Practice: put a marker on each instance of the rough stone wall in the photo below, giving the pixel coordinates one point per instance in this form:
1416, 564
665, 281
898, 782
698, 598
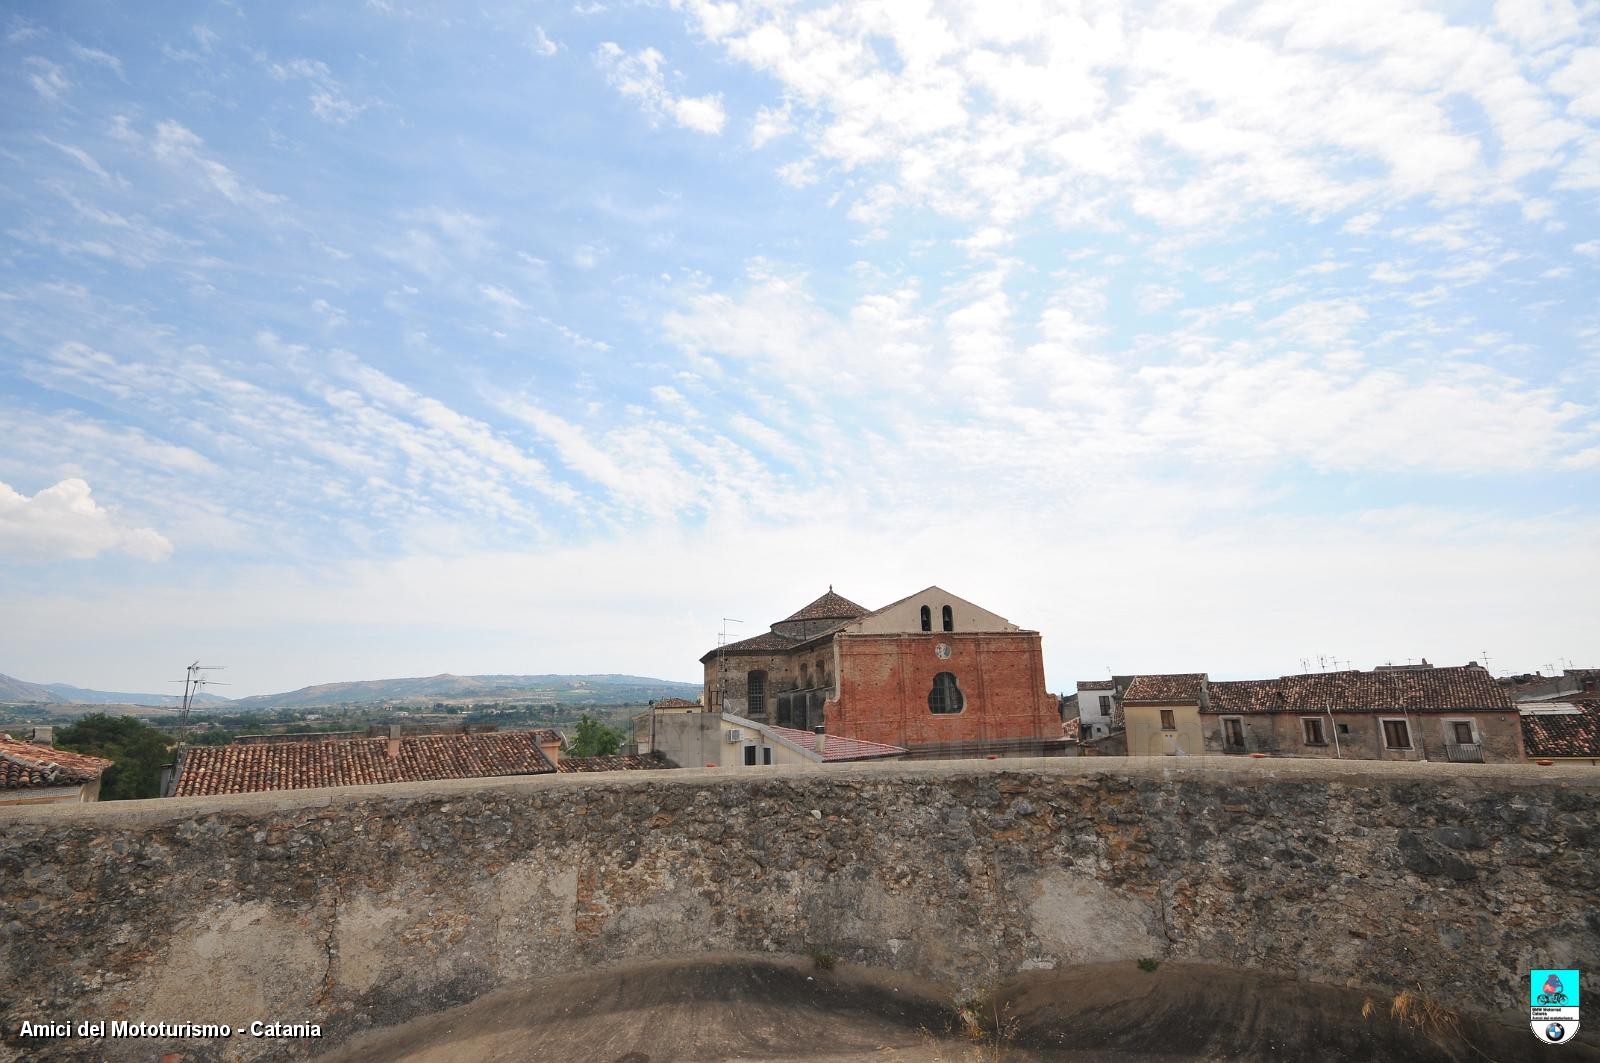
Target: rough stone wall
884, 683
1280, 734
364, 906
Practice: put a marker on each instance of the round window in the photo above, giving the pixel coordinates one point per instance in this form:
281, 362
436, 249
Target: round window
942, 651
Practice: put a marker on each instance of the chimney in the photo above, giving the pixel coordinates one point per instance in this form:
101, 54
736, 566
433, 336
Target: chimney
394, 741
822, 740
43, 736
550, 746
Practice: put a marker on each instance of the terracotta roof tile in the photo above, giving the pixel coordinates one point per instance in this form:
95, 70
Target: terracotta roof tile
1069, 729
830, 606
676, 703
1097, 684
837, 747
618, 762
24, 765
1563, 734
1424, 690
254, 767
1178, 688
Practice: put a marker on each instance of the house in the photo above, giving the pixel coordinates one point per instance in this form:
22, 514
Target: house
1567, 732
300, 762
931, 673
1457, 714
1097, 702
615, 762
1572, 682
1162, 714
690, 738
34, 773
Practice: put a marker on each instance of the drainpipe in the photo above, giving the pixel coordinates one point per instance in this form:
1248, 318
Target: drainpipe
1334, 729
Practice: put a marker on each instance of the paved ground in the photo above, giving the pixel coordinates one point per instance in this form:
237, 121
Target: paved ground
740, 1008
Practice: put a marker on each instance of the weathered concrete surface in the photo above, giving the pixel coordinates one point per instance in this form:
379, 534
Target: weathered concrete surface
749, 1008
366, 907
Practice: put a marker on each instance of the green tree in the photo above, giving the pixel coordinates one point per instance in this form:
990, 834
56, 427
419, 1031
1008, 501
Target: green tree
137, 751
594, 739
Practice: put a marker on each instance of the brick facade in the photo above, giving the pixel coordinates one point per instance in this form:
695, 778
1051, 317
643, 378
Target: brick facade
869, 675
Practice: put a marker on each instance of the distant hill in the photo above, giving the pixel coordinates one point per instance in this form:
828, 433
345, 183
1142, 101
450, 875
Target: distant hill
559, 689
17, 690
80, 696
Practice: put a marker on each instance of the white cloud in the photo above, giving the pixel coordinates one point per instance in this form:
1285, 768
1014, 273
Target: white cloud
64, 521
541, 44
769, 124
178, 147
639, 76
47, 79
98, 57
328, 100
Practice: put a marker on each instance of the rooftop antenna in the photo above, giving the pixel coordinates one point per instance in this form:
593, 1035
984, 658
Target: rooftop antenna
1305, 665
1485, 654
722, 667
193, 682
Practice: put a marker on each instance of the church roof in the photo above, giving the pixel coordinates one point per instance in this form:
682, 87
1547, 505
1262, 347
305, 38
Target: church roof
830, 606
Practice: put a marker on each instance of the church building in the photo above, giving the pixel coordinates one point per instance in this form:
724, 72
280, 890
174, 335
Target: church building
932, 672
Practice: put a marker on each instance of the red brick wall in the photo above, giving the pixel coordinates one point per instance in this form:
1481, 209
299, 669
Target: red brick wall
884, 682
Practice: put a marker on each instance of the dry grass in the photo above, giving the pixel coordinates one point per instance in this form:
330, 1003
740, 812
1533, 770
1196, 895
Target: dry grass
989, 1025
1420, 1013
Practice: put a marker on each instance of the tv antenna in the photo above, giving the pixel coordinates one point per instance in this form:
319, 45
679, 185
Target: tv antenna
193, 682
722, 667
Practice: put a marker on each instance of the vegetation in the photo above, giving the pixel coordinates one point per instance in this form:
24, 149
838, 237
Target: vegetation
1148, 965
137, 750
594, 739
825, 961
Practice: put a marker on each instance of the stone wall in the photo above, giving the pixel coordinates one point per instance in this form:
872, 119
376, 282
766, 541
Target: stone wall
367, 906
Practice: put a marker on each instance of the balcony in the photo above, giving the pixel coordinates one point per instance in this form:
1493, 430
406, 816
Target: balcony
1464, 752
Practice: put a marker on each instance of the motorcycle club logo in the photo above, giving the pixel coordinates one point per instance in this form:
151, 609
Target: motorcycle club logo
1553, 999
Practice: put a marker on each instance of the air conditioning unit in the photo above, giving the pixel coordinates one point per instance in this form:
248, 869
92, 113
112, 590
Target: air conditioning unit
735, 735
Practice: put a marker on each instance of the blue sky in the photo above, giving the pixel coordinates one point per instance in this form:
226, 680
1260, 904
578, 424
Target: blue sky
401, 338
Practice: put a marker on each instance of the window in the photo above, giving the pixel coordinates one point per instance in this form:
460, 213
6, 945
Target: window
949, 619
1233, 733
1312, 726
1396, 734
1105, 704
755, 693
822, 674
750, 756
766, 754
1167, 721
1463, 732
945, 697
927, 619
1344, 728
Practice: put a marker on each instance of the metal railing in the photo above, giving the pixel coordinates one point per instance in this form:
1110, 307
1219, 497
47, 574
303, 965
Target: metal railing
1464, 752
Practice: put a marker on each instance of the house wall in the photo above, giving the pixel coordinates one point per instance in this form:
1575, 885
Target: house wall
884, 682
49, 795
1089, 716
1281, 734
1146, 735
699, 740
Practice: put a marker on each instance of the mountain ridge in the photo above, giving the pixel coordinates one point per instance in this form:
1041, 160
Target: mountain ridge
554, 687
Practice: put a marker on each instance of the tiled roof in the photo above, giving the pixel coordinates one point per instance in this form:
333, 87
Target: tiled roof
830, 606
619, 762
1069, 729
1563, 735
836, 747
243, 768
26, 766
1451, 689
676, 703
1097, 684
766, 642
1180, 688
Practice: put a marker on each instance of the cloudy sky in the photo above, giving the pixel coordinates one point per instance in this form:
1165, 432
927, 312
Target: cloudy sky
350, 341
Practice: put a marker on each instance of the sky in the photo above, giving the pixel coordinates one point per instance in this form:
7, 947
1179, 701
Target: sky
365, 340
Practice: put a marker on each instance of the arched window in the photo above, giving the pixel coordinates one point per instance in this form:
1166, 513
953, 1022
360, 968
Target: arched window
755, 693
927, 619
945, 697
822, 673
949, 619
